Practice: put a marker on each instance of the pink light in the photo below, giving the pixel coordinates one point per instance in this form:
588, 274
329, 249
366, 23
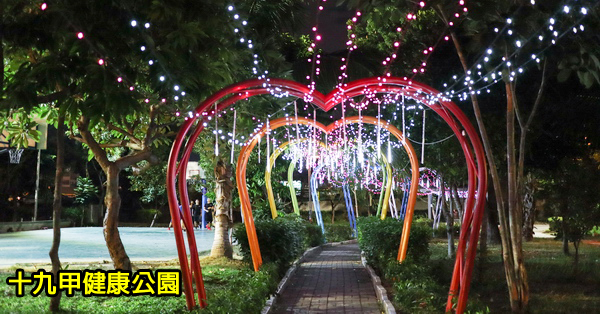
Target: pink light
44, 6
425, 51
101, 61
164, 100
409, 16
465, 9
119, 79
451, 23
146, 100
354, 19
358, 13
349, 27
414, 70
314, 28
399, 29
80, 35
430, 48
446, 38
461, 2
320, 8
456, 15
422, 4
397, 44
318, 37
131, 88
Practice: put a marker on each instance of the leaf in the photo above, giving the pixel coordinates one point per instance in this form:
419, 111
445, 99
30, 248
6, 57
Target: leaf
563, 75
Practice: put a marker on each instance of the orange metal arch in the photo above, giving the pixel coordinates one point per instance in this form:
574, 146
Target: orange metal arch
244, 156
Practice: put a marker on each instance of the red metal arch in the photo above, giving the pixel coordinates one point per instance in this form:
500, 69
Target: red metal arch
456, 119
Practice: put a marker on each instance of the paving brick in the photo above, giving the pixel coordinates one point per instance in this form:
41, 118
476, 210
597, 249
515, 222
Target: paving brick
332, 281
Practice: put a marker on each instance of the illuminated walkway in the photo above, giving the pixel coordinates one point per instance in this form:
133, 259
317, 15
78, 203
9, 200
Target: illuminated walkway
332, 280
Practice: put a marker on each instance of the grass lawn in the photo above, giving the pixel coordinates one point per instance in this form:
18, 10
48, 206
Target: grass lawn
557, 284
231, 287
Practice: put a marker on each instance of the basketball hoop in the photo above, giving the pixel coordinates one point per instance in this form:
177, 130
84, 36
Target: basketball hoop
15, 155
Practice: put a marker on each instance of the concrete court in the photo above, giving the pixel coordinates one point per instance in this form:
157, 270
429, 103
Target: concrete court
330, 281
87, 245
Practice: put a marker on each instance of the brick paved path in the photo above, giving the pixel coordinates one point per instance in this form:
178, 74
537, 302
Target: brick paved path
332, 280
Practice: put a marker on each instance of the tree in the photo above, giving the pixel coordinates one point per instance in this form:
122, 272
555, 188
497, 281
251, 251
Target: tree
114, 102
471, 36
571, 193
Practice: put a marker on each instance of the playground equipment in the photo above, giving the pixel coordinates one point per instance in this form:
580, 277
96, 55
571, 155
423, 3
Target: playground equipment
425, 95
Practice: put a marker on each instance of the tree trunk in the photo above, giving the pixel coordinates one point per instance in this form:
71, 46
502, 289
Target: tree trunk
514, 265
331, 200
112, 201
223, 189
565, 240
516, 276
449, 215
528, 209
57, 207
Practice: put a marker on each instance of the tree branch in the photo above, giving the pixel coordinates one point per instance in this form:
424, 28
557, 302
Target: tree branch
113, 127
133, 159
83, 125
525, 128
151, 127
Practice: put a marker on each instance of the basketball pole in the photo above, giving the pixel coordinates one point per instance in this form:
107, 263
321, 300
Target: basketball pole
37, 184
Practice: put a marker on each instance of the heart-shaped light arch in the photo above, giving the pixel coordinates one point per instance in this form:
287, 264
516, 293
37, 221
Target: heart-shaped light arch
448, 111
282, 122
280, 149
328, 129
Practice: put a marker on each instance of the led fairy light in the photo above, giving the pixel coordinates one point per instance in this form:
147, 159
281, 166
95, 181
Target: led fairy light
111, 67
244, 39
493, 76
315, 60
351, 46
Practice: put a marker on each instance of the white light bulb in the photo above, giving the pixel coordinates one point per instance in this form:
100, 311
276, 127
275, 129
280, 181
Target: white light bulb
489, 51
584, 11
162, 78
133, 23
518, 43
237, 16
509, 20
143, 48
176, 87
230, 8
147, 25
151, 62
566, 9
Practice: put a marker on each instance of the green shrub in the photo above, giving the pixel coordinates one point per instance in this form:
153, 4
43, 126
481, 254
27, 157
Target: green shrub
281, 240
146, 215
226, 298
338, 232
74, 214
314, 235
414, 288
380, 240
